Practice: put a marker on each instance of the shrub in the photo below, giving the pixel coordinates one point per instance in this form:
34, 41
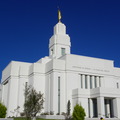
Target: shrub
45, 113
22, 114
3, 110
51, 113
57, 113
78, 112
63, 113
68, 107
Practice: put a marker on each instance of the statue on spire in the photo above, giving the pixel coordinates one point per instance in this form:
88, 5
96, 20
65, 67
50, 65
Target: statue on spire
59, 16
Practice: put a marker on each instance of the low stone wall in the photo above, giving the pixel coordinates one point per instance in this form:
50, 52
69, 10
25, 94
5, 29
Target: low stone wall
103, 118
59, 117
6, 119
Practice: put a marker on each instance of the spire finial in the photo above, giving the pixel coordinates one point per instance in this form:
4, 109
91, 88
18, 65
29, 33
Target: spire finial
59, 15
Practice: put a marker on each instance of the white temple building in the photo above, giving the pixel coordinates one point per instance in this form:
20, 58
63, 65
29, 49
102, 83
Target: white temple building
92, 82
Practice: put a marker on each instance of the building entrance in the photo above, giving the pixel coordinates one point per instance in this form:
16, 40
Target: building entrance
95, 112
109, 113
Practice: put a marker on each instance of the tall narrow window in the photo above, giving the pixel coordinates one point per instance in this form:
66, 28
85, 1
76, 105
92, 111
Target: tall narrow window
26, 87
62, 51
85, 81
117, 85
99, 81
58, 94
90, 82
52, 52
95, 81
81, 81
26, 84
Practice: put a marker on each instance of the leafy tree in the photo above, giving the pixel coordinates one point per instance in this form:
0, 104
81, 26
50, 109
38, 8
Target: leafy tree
78, 112
3, 110
68, 107
33, 102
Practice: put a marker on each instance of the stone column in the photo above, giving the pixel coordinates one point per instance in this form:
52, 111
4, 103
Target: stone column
88, 81
97, 80
108, 108
116, 107
91, 108
101, 106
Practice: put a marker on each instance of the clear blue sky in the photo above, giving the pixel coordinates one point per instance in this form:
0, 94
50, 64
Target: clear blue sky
27, 25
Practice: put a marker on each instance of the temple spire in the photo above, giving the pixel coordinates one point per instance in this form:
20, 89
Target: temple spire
59, 15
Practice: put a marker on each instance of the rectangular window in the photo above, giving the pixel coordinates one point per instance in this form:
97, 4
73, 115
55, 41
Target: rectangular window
99, 81
58, 94
81, 81
62, 51
95, 81
5, 83
85, 81
90, 82
117, 85
52, 52
26, 84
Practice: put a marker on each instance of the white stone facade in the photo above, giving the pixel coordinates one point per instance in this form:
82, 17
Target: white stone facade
0, 92
94, 83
